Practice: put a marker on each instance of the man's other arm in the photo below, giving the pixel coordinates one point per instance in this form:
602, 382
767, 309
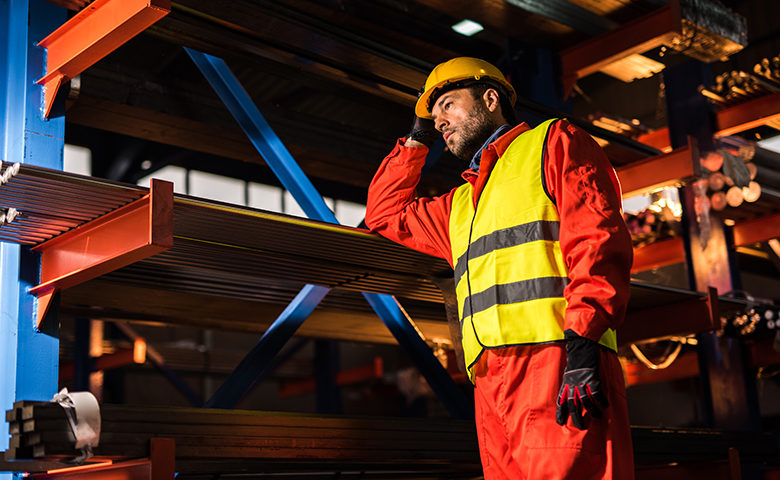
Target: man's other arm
394, 211
594, 239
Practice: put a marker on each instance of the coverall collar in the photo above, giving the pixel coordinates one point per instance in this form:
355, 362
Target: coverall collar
474, 165
495, 150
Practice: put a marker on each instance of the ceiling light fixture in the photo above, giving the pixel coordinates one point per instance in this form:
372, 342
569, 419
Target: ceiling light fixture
467, 27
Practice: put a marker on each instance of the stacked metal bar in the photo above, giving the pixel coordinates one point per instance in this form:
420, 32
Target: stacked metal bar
220, 249
40, 431
735, 87
48, 202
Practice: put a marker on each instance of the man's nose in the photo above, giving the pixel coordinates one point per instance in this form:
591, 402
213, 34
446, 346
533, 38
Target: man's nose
440, 123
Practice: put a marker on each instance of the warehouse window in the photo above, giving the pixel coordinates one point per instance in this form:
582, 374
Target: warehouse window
177, 175
217, 187
77, 160
264, 197
256, 195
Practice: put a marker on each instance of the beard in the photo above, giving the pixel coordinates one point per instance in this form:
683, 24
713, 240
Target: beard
473, 132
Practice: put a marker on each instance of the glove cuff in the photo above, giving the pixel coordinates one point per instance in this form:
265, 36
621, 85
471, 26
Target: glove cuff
581, 352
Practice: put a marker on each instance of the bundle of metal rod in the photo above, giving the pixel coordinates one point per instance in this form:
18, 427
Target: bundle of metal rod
229, 249
769, 70
40, 431
48, 203
735, 87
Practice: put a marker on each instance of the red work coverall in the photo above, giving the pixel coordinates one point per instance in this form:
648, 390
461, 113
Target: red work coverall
516, 387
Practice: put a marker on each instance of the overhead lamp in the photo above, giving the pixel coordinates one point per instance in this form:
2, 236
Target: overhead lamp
467, 27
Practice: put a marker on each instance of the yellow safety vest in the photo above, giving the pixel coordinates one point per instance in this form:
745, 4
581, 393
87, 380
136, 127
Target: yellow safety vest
509, 269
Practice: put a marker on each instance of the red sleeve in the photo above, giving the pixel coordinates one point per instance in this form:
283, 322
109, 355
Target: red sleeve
594, 239
394, 211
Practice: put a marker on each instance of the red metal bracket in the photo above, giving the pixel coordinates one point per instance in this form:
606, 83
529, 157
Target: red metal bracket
161, 465
757, 230
93, 33
128, 234
660, 171
658, 254
373, 371
681, 318
638, 36
751, 114
110, 361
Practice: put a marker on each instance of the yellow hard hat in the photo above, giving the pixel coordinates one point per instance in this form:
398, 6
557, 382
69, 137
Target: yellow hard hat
457, 70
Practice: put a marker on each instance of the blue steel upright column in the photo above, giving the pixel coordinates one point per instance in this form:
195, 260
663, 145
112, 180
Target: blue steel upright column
28, 358
728, 386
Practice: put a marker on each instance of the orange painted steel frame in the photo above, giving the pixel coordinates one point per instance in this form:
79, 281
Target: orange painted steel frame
658, 139
669, 252
751, 114
128, 234
682, 318
120, 358
685, 366
757, 230
374, 371
660, 171
638, 36
93, 33
161, 465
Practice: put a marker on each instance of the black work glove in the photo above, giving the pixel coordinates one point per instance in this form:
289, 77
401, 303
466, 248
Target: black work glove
581, 391
423, 131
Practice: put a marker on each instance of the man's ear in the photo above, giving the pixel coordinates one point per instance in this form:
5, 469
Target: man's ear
491, 99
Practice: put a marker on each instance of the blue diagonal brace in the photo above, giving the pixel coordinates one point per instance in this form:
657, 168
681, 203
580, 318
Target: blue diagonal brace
262, 136
260, 356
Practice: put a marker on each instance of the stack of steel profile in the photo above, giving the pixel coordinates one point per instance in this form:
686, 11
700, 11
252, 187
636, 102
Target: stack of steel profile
220, 249
41, 432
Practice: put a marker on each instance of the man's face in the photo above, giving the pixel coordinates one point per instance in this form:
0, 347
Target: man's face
465, 122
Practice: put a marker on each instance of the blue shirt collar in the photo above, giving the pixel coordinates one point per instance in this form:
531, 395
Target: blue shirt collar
474, 165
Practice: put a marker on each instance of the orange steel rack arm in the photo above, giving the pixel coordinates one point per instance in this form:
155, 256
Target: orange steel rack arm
695, 315
757, 230
671, 251
664, 170
160, 465
638, 36
128, 234
745, 116
93, 33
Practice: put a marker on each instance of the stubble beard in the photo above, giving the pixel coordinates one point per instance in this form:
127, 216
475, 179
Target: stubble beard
473, 133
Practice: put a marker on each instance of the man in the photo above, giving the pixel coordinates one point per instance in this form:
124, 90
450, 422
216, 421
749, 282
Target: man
541, 257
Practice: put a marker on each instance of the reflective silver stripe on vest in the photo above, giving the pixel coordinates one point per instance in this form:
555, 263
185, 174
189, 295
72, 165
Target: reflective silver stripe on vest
516, 292
505, 238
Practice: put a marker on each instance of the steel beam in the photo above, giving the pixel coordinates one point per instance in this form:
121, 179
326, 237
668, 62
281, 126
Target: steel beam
160, 465
757, 230
696, 315
159, 363
685, 366
658, 254
236, 99
730, 396
673, 168
657, 138
272, 341
29, 358
751, 114
372, 371
124, 236
643, 34
97, 30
